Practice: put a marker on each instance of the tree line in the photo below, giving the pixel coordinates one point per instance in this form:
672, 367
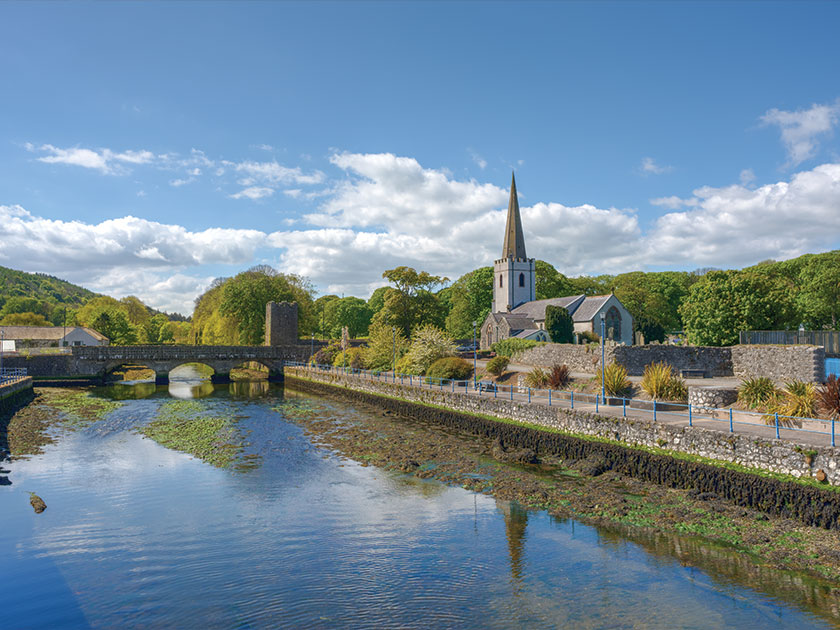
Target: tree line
710, 306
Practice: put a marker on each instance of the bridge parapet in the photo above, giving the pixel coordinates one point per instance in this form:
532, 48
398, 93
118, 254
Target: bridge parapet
191, 353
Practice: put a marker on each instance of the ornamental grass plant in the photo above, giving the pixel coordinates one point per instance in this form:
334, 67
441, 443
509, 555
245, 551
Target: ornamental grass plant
559, 377
616, 382
828, 398
537, 378
660, 382
756, 393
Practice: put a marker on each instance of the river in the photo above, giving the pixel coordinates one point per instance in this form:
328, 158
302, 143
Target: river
293, 535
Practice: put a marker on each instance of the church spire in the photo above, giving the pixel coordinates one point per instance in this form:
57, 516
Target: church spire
514, 246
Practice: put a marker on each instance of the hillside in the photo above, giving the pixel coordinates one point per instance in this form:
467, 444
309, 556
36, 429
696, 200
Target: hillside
41, 287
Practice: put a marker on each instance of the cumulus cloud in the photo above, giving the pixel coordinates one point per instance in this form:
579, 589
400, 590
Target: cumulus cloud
801, 130
480, 161
650, 167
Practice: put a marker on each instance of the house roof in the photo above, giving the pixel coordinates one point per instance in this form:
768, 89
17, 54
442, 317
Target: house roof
55, 333
590, 307
522, 334
536, 309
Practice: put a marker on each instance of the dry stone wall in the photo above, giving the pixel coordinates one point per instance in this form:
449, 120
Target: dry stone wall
765, 454
779, 363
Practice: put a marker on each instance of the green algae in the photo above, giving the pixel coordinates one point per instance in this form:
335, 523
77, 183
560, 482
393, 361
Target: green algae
189, 427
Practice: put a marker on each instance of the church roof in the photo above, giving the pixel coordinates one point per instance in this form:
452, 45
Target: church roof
582, 308
514, 246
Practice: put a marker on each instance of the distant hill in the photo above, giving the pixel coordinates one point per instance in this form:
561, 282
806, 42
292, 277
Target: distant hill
42, 287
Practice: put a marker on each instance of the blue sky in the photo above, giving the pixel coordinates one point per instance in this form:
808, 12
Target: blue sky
147, 148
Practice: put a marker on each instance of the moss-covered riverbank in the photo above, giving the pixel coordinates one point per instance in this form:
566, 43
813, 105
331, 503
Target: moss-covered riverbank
583, 489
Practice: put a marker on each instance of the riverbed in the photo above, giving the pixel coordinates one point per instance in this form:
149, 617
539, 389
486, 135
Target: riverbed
268, 523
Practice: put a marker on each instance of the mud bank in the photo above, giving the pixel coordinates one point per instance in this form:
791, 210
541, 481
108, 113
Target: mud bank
596, 482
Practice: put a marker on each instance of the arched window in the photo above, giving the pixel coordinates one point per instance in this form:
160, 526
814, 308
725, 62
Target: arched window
501, 284
521, 280
613, 324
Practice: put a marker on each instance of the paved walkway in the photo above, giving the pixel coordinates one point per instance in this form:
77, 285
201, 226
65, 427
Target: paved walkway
812, 433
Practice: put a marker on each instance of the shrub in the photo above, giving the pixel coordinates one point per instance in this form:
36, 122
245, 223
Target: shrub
757, 392
828, 397
326, 355
587, 336
661, 383
451, 368
509, 347
428, 344
537, 378
559, 376
559, 324
382, 343
615, 380
497, 365
352, 358
798, 400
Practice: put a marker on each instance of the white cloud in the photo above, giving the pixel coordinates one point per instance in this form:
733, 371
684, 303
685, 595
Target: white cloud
275, 173
125, 248
673, 202
103, 160
802, 129
649, 166
480, 161
177, 183
294, 193
254, 192
747, 177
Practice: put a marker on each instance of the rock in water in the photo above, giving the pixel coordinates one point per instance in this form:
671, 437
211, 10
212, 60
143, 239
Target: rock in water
37, 503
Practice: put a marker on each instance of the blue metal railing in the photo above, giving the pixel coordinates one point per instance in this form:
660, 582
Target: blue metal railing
610, 405
10, 375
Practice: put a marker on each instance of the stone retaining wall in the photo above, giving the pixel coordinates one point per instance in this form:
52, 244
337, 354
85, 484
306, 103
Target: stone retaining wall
712, 397
747, 450
779, 363
13, 395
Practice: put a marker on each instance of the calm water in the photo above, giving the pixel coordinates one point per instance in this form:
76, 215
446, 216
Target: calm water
138, 535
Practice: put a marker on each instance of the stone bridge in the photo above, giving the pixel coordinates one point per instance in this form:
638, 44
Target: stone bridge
96, 362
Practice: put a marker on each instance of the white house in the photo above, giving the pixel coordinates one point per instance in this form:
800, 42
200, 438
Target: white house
52, 336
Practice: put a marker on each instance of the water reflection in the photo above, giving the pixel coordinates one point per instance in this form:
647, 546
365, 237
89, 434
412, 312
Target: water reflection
190, 388
249, 389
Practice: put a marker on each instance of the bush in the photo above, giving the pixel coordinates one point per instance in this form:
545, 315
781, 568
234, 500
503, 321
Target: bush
559, 376
428, 344
798, 400
756, 393
509, 347
537, 378
615, 380
326, 355
450, 368
661, 383
353, 358
588, 336
828, 397
497, 365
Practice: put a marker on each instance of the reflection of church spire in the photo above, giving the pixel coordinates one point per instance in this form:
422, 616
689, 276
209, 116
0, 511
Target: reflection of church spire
514, 246
516, 521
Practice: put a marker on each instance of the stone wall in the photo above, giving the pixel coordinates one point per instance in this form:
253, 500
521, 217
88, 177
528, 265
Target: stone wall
281, 323
780, 363
712, 397
774, 455
579, 358
13, 395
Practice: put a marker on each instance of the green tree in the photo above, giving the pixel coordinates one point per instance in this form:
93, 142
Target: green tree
384, 344
428, 344
559, 324
24, 319
115, 325
351, 312
410, 302
723, 303
244, 298
819, 291
322, 325
550, 283
589, 285
472, 296
377, 300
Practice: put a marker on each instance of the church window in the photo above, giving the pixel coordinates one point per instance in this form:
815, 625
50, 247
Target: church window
613, 324
521, 279
501, 284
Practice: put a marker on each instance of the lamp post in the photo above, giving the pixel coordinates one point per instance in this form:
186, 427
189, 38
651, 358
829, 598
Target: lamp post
394, 364
475, 358
603, 388
801, 333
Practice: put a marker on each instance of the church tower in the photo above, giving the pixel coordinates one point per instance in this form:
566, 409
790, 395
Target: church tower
514, 275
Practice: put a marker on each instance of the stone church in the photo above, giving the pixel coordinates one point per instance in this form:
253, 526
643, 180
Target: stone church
517, 313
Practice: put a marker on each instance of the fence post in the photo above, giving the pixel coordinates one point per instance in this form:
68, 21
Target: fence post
466, 391
776, 414
453, 387
529, 394
731, 428
495, 390
624, 407
596, 402
511, 393
689, 414
654, 409
549, 398
573, 398
832, 430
